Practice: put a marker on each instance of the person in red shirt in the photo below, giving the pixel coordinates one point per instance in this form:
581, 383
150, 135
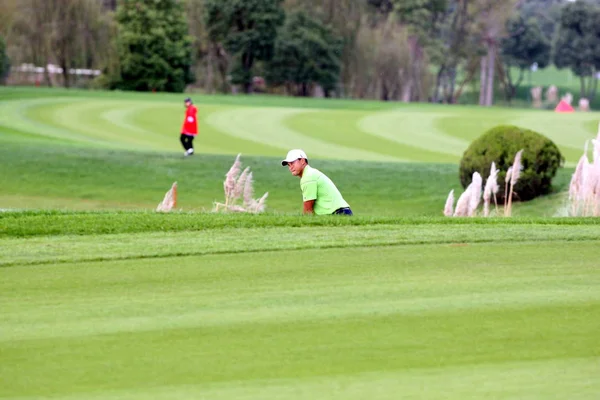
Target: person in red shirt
189, 130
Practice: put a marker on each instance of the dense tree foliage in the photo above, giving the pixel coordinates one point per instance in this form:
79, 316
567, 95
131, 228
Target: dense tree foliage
396, 50
306, 53
69, 33
153, 45
459, 51
248, 30
524, 45
423, 19
545, 12
577, 44
4, 61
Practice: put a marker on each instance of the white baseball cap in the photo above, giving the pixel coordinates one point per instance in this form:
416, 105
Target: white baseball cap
293, 155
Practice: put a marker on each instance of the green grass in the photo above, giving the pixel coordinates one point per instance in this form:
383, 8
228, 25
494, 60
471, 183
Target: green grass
91, 179
553, 76
121, 150
102, 298
440, 309
53, 238
268, 126
64, 177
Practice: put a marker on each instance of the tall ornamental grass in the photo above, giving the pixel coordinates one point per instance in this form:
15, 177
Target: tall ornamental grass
468, 202
239, 191
584, 189
169, 201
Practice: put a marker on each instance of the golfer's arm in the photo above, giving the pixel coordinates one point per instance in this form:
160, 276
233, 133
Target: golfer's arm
309, 207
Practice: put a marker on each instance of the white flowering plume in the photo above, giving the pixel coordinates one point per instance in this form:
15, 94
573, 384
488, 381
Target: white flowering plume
239, 191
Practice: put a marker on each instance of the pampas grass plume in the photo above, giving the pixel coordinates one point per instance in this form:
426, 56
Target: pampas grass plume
475, 193
508, 175
577, 178
584, 188
262, 203
516, 168
494, 174
239, 185
507, 179
491, 188
248, 189
448, 208
596, 149
462, 205
169, 201
515, 173
231, 177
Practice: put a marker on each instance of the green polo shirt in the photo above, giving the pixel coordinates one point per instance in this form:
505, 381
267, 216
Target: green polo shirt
317, 186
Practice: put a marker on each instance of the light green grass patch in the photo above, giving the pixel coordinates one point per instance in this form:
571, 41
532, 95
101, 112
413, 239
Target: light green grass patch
270, 126
242, 240
121, 150
394, 302
315, 323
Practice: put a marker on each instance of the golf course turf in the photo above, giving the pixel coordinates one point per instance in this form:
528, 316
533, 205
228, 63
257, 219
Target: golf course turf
103, 298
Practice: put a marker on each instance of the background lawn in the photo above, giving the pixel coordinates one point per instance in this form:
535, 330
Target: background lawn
103, 298
98, 150
505, 318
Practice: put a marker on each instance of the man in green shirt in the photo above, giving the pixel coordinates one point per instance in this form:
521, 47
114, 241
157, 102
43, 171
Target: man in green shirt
319, 193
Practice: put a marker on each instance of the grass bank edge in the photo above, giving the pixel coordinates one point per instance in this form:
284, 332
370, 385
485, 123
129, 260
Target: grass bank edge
53, 223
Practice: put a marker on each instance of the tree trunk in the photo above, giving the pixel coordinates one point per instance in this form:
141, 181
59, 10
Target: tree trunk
412, 85
593, 87
491, 65
247, 63
510, 86
471, 71
438, 84
210, 60
222, 66
506, 79
384, 92
47, 75
407, 89
483, 80
416, 89
304, 89
451, 83
65, 73
66, 78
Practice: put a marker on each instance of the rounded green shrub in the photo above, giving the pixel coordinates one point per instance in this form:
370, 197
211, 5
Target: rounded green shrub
540, 160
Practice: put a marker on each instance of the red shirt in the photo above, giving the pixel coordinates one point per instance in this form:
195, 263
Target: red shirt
190, 124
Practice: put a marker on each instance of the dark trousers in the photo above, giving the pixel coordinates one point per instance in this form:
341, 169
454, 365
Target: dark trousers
186, 141
343, 211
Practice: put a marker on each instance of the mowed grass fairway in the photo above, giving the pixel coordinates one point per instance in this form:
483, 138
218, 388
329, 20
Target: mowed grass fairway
268, 126
397, 309
102, 298
121, 150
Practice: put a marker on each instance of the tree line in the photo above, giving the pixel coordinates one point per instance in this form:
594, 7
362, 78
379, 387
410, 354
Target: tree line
408, 50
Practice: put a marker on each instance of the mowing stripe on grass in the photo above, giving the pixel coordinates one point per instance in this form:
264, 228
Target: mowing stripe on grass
447, 316
13, 115
574, 379
257, 125
64, 248
416, 129
16, 224
344, 126
267, 126
568, 131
